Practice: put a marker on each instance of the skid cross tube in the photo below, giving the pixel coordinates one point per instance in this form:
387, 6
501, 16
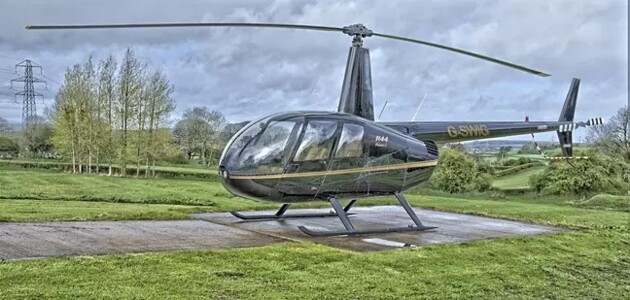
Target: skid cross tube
350, 230
280, 213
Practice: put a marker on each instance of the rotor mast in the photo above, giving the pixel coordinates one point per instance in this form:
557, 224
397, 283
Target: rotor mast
356, 91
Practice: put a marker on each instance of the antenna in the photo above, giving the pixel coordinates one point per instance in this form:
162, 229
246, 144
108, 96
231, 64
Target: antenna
417, 110
382, 109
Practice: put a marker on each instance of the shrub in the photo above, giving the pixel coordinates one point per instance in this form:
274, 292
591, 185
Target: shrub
606, 201
582, 176
457, 173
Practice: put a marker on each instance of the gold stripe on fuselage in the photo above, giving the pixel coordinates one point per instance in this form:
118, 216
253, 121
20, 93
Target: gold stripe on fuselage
418, 164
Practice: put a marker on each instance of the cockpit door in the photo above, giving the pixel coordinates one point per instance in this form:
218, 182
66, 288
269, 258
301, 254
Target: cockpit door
347, 161
311, 159
315, 147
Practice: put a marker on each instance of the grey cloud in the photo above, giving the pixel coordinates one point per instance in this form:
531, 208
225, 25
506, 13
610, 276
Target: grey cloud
247, 73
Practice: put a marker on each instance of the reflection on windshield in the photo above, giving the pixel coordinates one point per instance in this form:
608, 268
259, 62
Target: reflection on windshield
262, 151
351, 141
317, 141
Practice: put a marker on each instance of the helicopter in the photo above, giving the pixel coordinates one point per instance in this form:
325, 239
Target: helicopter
305, 156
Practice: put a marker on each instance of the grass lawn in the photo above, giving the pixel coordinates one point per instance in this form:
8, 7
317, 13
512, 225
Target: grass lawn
46, 210
175, 168
593, 262
52, 185
517, 180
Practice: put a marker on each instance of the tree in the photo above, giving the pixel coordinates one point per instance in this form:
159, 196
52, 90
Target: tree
8, 146
105, 113
106, 97
36, 137
613, 137
66, 119
129, 88
5, 127
199, 131
160, 105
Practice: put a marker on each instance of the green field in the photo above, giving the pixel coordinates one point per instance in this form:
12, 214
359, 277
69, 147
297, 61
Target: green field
518, 180
47, 210
590, 261
50, 185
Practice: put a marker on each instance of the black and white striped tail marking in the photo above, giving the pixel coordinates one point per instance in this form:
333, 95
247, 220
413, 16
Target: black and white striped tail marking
594, 121
571, 126
567, 127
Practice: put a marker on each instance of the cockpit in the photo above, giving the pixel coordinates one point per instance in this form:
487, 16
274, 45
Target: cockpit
273, 144
261, 147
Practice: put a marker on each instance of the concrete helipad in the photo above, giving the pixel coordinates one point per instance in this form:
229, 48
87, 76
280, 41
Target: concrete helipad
222, 230
452, 227
53, 239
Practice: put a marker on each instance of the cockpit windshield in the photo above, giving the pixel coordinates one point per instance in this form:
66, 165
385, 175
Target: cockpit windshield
261, 148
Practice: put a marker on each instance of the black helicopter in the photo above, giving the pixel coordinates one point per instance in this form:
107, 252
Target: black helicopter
313, 156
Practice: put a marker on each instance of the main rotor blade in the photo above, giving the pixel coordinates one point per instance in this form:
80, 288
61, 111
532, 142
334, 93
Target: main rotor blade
350, 30
154, 25
494, 60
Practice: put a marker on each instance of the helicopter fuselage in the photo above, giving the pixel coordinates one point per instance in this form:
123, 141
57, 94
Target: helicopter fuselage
305, 156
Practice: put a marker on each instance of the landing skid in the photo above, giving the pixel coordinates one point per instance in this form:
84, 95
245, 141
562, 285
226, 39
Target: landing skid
280, 214
317, 233
350, 230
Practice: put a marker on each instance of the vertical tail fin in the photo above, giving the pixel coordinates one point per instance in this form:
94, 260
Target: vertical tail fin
566, 115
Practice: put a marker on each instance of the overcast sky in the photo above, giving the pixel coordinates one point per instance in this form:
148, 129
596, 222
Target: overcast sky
246, 73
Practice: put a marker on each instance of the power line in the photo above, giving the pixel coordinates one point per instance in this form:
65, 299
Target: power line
55, 81
9, 57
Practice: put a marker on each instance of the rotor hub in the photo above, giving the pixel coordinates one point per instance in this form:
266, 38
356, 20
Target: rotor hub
357, 30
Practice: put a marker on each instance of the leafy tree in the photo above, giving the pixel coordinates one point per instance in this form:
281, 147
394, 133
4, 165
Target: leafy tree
105, 113
129, 89
160, 105
106, 93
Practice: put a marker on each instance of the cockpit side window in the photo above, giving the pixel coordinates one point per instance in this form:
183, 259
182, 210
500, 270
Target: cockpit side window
351, 141
317, 141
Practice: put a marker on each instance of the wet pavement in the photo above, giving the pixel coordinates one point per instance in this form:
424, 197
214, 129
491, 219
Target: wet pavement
222, 230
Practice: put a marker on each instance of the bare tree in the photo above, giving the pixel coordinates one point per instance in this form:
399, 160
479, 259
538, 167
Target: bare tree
198, 130
613, 137
5, 127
